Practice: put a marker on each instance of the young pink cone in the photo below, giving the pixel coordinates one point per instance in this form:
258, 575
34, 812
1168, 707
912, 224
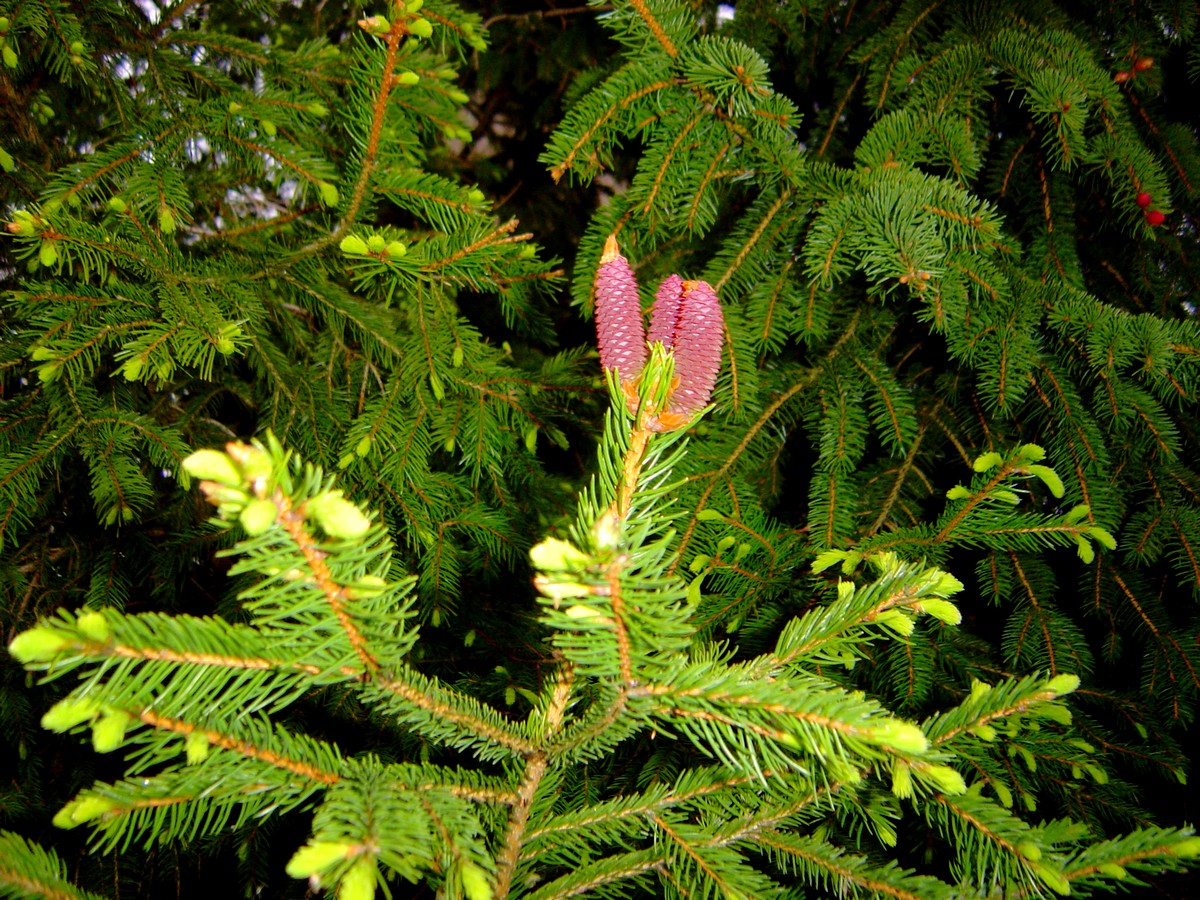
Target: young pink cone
699, 333
619, 328
664, 317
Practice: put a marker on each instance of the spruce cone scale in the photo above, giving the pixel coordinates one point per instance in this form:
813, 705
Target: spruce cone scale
664, 318
619, 328
699, 333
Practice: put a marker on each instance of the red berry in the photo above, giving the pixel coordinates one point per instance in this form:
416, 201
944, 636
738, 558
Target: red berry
1144, 63
1122, 76
1143, 199
1154, 217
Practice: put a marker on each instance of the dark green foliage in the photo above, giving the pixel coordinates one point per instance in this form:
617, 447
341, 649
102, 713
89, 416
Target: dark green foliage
817, 643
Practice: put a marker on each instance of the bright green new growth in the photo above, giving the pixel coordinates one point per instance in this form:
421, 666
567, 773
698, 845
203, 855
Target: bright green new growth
780, 734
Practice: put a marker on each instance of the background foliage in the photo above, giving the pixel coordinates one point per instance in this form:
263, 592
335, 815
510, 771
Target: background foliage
939, 230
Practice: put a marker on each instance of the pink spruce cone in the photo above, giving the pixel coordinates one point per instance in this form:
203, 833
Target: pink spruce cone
699, 333
664, 317
619, 328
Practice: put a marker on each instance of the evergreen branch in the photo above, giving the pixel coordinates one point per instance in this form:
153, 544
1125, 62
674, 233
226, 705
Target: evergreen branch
656, 29
451, 709
752, 239
703, 185
244, 748
692, 848
713, 479
1148, 849
397, 31
29, 870
595, 731
296, 525
988, 703
624, 653
601, 120
535, 770
591, 879
669, 160
499, 235
283, 159
839, 869
902, 473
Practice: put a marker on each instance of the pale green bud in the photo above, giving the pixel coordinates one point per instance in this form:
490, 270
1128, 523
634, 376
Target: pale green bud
196, 747
420, 28
1031, 452
475, 882
353, 245
1187, 847
901, 736
69, 712
560, 590
337, 516
316, 856
213, 465
1029, 850
93, 625
367, 586
1062, 684
1052, 879
897, 621
554, 555
376, 25
359, 882
329, 193
39, 644
258, 516
987, 461
23, 224
902, 784
942, 610
83, 810
109, 732
948, 780
254, 461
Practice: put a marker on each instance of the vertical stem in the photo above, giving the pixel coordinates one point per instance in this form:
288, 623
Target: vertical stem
632, 469
535, 770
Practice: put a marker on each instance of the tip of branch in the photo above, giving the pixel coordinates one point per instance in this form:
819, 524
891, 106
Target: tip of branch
611, 249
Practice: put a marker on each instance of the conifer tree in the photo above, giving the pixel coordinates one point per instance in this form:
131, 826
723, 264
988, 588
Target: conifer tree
866, 567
